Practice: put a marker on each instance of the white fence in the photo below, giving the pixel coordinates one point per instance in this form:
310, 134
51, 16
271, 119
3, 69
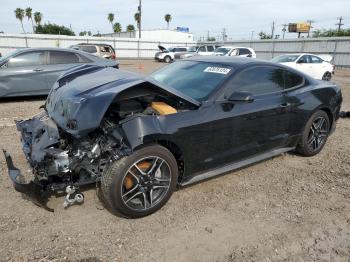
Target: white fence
339, 48
125, 47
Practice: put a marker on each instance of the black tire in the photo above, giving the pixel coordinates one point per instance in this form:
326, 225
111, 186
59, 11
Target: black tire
167, 59
327, 76
113, 179
310, 136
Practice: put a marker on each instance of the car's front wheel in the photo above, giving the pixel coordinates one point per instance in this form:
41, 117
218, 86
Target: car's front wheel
315, 134
167, 59
140, 184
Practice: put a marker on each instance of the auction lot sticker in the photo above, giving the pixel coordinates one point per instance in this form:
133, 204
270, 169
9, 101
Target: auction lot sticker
217, 70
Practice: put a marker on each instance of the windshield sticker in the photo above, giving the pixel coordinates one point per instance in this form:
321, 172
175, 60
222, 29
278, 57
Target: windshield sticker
217, 70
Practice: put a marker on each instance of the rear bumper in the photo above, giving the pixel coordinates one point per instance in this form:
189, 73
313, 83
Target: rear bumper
34, 191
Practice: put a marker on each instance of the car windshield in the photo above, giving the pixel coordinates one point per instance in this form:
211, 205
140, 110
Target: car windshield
285, 58
4, 58
222, 50
194, 79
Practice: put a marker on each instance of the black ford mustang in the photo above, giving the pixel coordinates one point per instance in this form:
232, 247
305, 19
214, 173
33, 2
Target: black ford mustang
140, 137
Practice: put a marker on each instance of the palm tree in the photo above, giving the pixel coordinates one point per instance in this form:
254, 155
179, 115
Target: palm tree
38, 17
167, 19
29, 16
137, 19
110, 18
130, 28
19, 13
117, 28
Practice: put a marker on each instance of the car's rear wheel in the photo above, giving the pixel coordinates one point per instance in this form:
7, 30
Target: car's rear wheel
167, 59
315, 134
140, 184
327, 76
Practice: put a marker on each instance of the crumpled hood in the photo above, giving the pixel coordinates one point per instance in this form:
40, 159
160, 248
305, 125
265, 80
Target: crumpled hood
84, 94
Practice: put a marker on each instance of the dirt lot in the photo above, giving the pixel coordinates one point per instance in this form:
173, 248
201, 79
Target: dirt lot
288, 208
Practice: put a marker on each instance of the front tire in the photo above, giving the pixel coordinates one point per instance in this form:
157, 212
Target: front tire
315, 134
140, 184
167, 59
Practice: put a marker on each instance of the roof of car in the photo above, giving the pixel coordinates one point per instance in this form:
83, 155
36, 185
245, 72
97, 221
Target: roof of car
235, 61
233, 46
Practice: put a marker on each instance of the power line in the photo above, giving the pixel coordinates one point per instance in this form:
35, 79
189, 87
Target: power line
340, 24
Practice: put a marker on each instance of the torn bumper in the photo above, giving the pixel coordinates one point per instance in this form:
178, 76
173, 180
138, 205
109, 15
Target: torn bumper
35, 192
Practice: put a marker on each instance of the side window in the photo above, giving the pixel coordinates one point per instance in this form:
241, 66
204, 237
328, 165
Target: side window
305, 59
292, 80
182, 49
27, 59
210, 48
315, 60
59, 57
202, 49
257, 80
88, 48
244, 51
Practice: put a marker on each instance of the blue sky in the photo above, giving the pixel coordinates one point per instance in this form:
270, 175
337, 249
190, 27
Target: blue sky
239, 17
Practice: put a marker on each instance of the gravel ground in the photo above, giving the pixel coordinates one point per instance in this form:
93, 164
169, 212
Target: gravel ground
288, 208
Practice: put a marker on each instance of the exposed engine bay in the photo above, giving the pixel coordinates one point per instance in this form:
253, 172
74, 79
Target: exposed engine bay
62, 162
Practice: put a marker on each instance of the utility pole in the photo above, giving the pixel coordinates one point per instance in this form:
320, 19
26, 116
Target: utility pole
273, 29
284, 30
310, 22
224, 34
340, 24
140, 13
251, 36
208, 35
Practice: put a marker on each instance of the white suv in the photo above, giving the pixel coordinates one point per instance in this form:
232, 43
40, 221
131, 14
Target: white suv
235, 51
168, 54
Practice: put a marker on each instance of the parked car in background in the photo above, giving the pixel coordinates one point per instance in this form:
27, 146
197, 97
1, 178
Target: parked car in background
101, 50
235, 51
197, 50
33, 71
168, 54
310, 64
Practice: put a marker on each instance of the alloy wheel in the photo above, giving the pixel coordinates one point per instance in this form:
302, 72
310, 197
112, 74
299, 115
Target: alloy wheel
146, 183
318, 133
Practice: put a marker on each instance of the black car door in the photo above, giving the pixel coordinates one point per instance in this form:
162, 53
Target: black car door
245, 128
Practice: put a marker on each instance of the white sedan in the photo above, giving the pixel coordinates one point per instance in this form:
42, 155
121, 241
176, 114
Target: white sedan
309, 64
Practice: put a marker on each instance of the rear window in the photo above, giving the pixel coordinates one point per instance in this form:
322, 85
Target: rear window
88, 48
292, 80
210, 48
59, 57
244, 51
106, 49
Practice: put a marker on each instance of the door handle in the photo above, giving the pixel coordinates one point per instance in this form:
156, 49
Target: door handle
285, 105
38, 70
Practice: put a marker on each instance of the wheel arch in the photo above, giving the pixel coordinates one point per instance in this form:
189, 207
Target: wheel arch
329, 114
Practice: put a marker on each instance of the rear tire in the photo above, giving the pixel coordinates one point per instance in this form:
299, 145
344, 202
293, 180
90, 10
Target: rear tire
315, 134
327, 76
128, 188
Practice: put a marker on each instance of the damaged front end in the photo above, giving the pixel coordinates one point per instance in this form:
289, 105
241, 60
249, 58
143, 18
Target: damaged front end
93, 116
60, 162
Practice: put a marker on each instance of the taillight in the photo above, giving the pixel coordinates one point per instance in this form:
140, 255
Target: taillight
113, 56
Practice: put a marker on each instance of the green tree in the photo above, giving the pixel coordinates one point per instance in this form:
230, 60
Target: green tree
263, 35
29, 15
137, 18
110, 18
89, 33
53, 29
117, 28
38, 17
209, 39
83, 33
331, 33
130, 28
19, 13
168, 19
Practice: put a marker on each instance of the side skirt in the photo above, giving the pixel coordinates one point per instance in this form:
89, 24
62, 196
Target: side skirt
236, 165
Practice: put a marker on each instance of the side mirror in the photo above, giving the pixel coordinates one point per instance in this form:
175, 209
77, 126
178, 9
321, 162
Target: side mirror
250, 55
300, 61
241, 96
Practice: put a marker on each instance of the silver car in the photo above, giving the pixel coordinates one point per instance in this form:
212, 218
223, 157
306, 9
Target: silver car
33, 71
